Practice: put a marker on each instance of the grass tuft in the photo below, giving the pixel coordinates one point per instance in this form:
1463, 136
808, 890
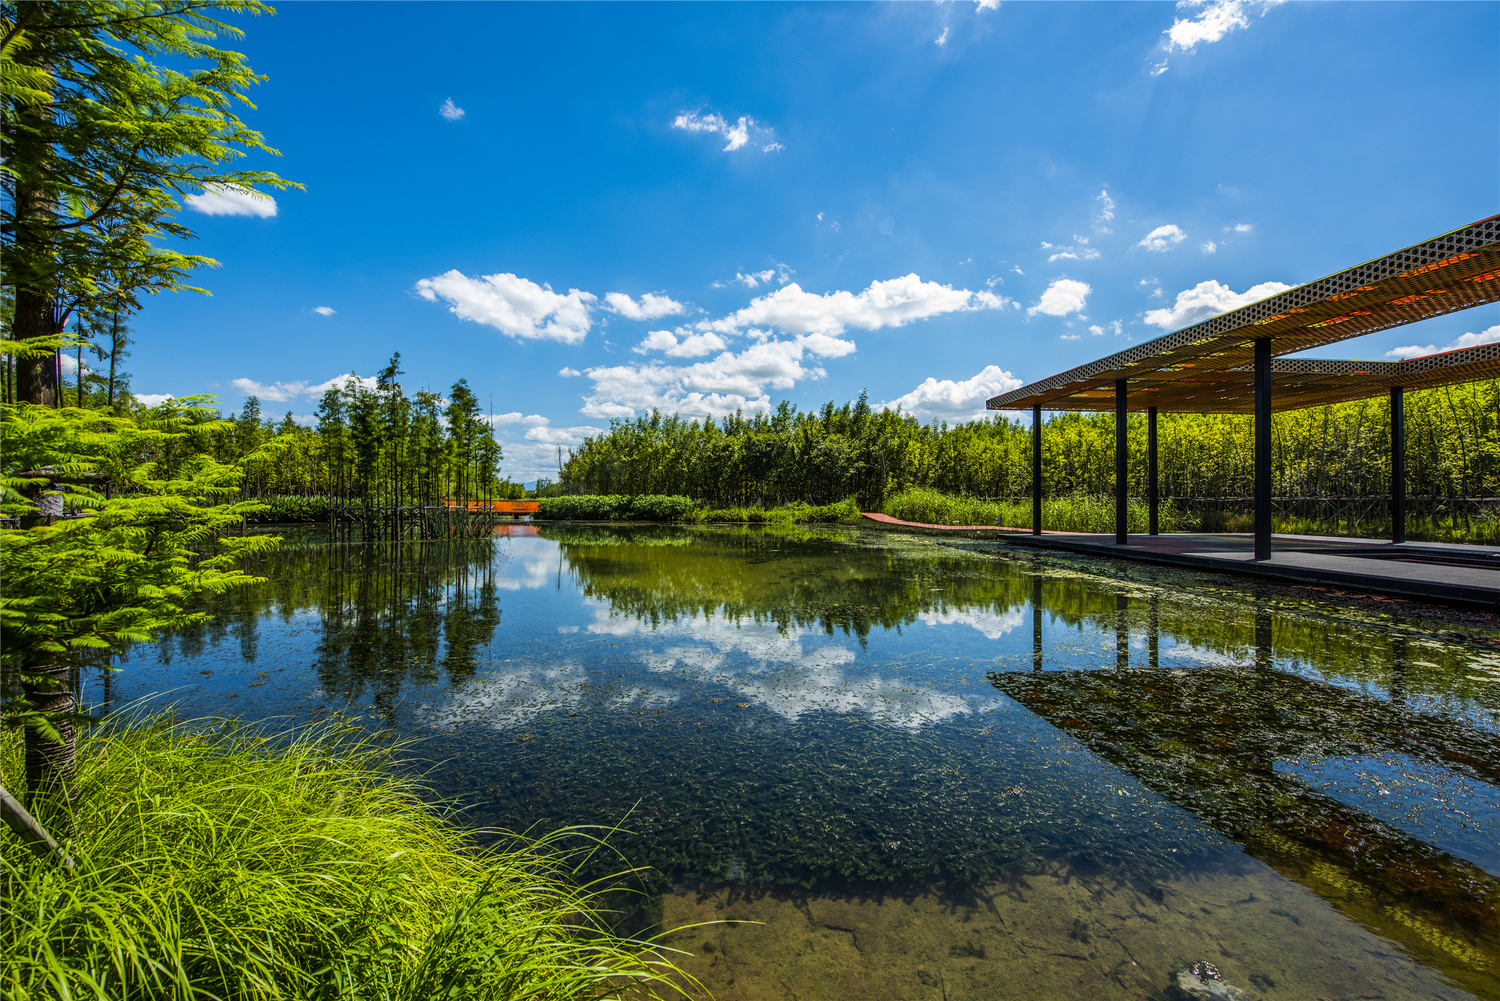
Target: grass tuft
1059, 514
217, 861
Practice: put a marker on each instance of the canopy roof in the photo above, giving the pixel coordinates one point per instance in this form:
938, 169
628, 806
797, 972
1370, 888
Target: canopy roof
1208, 367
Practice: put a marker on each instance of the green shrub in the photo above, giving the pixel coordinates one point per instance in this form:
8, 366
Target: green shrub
213, 862
657, 507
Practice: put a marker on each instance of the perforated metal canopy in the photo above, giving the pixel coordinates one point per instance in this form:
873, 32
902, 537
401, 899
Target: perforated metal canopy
1208, 367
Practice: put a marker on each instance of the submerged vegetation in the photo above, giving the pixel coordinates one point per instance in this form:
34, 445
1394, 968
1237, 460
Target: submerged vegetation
218, 861
1331, 469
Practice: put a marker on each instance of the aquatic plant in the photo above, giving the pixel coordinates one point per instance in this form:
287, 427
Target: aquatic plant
1061, 514
219, 861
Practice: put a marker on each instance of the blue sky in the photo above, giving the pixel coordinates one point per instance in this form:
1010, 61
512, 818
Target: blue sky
589, 210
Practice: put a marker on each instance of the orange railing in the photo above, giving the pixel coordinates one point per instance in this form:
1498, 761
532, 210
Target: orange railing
494, 507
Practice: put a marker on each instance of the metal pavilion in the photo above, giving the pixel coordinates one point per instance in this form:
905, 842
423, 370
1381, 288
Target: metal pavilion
1230, 363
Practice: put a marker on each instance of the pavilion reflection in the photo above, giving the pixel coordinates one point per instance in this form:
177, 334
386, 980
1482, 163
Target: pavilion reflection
1208, 740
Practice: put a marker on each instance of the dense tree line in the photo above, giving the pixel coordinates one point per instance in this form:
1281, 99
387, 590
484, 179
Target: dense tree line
1337, 452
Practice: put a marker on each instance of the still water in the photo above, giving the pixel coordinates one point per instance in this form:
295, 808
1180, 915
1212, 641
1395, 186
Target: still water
928, 771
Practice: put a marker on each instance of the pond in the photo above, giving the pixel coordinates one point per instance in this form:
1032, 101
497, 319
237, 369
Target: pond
927, 769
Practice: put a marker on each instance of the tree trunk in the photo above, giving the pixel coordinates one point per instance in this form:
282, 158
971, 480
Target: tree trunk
32, 251
49, 758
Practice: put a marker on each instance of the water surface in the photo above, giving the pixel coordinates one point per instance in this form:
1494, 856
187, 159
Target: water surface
930, 771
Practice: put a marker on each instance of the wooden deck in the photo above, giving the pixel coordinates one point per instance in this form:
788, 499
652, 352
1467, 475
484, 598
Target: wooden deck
1436, 571
510, 507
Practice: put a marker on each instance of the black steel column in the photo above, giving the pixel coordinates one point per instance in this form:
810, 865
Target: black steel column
1122, 468
1036, 623
1151, 497
1263, 448
1398, 465
1036, 470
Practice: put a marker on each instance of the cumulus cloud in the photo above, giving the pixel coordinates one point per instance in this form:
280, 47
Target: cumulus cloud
986, 5
1070, 337
514, 306
1106, 212
220, 199
281, 392
732, 381
1113, 327
1469, 340
561, 436
892, 303
954, 400
737, 135
1162, 238
691, 345
151, 399
754, 279
516, 417
1208, 299
1243, 227
1208, 247
651, 306
1062, 297
324, 310
942, 39
450, 111
1213, 20
568, 373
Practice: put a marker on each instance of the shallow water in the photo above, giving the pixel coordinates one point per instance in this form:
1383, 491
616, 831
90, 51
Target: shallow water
929, 771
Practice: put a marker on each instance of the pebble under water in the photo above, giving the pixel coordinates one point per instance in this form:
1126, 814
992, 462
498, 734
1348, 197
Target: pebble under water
928, 770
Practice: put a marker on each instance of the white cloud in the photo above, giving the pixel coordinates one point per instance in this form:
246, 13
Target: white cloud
1071, 253
710, 388
651, 306
1070, 337
1162, 238
1106, 212
516, 417
954, 400
1017, 269
324, 310
1469, 340
1208, 247
568, 373
891, 303
220, 199
515, 306
986, 5
281, 392
1214, 20
450, 111
151, 399
561, 436
691, 346
1208, 299
991, 625
1243, 227
1113, 327
737, 135
773, 148
943, 38
1062, 297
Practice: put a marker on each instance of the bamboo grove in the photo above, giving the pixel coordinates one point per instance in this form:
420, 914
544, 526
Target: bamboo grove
1331, 464
377, 462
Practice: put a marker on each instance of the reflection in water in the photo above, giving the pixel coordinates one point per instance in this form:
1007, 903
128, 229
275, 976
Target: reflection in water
809, 710
1209, 740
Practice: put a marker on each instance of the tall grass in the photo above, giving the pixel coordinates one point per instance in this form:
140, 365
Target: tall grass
217, 862
1060, 514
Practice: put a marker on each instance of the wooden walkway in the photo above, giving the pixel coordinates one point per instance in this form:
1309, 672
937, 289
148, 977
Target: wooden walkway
1437, 571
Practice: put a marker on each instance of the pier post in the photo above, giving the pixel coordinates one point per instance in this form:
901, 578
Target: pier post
1122, 469
1263, 448
1151, 495
1036, 470
1398, 465
1036, 623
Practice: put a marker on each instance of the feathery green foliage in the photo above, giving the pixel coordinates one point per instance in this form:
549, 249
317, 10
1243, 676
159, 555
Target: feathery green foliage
1059, 514
653, 507
216, 861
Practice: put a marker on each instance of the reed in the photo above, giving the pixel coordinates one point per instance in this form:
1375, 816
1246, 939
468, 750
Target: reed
219, 861
1059, 514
